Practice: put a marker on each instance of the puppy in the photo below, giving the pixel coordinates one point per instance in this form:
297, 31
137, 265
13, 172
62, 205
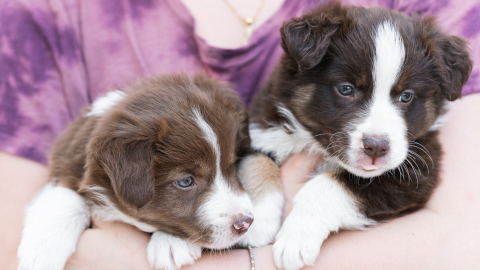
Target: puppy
160, 156
366, 89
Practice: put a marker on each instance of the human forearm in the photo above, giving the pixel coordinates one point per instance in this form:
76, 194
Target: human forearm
20, 180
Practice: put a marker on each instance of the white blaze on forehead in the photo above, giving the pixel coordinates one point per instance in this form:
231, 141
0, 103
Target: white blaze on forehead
383, 117
209, 135
389, 57
223, 204
105, 103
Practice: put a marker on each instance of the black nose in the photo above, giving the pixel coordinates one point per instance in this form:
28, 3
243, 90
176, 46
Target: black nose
375, 147
242, 223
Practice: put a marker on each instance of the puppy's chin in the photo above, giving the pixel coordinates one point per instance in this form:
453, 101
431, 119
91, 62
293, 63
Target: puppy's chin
359, 170
364, 168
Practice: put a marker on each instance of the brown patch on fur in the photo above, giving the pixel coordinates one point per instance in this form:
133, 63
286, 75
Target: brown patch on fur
259, 175
138, 149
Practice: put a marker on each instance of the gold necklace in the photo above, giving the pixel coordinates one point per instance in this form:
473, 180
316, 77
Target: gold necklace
248, 21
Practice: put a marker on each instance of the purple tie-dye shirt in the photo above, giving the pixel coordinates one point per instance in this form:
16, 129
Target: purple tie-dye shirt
56, 56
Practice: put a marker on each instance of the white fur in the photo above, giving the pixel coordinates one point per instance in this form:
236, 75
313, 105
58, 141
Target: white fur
109, 212
320, 207
284, 140
268, 217
53, 223
383, 117
442, 118
439, 122
105, 103
223, 203
166, 251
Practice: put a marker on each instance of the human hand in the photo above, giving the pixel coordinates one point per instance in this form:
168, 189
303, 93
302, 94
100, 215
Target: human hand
294, 173
110, 245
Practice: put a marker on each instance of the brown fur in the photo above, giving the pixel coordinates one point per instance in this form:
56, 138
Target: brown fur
142, 146
265, 173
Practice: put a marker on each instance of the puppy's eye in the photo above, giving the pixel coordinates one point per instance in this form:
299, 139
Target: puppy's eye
345, 89
405, 97
185, 183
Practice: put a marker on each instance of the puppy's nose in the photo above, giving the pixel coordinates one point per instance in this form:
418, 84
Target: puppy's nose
375, 147
242, 223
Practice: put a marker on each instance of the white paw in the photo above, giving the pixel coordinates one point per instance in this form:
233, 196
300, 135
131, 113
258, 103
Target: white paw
53, 222
166, 251
33, 255
296, 246
268, 217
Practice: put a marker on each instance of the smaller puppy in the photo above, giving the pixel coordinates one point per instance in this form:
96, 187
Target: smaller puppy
366, 89
160, 156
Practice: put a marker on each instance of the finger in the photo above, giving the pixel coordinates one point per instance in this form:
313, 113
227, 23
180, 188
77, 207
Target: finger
299, 168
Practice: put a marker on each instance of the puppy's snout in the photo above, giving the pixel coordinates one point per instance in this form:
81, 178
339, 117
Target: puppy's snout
375, 146
242, 223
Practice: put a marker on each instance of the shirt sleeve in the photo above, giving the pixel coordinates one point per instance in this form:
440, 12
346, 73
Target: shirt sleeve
43, 83
459, 18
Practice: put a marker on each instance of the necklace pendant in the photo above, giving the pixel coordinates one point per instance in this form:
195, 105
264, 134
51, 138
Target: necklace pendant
248, 21
248, 34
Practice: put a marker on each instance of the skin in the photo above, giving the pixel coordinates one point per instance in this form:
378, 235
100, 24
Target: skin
444, 235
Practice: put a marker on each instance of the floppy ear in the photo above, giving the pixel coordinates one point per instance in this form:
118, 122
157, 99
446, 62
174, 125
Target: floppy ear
456, 66
306, 39
125, 150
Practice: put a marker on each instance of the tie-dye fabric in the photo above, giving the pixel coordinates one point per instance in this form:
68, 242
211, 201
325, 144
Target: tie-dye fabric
56, 56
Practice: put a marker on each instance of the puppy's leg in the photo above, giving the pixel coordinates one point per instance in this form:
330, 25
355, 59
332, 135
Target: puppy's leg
53, 222
260, 177
166, 251
322, 206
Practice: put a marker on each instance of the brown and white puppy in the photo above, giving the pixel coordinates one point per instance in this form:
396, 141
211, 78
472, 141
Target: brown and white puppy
159, 155
367, 89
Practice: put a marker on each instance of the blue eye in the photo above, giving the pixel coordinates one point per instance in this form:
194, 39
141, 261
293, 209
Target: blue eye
185, 183
405, 97
345, 89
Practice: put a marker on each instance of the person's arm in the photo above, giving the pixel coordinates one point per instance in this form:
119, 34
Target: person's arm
20, 180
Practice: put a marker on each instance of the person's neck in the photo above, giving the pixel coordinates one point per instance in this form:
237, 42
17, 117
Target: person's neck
220, 26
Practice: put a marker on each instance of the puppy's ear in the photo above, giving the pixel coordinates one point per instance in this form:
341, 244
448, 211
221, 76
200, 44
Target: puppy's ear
306, 39
455, 66
125, 150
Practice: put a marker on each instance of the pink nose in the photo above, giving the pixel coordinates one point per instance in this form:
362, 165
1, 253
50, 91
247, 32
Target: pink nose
242, 223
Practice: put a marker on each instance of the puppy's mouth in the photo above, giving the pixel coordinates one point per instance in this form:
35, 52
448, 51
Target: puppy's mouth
370, 167
365, 166
369, 164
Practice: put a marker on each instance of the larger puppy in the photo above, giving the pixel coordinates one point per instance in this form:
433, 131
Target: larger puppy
160, 156
366, 88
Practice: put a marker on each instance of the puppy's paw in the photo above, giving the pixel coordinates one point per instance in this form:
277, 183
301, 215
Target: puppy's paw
295, 247
40, 256
168, 252
53, 223
268, 218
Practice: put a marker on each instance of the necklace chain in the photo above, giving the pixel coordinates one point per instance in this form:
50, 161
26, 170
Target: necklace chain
248, 21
